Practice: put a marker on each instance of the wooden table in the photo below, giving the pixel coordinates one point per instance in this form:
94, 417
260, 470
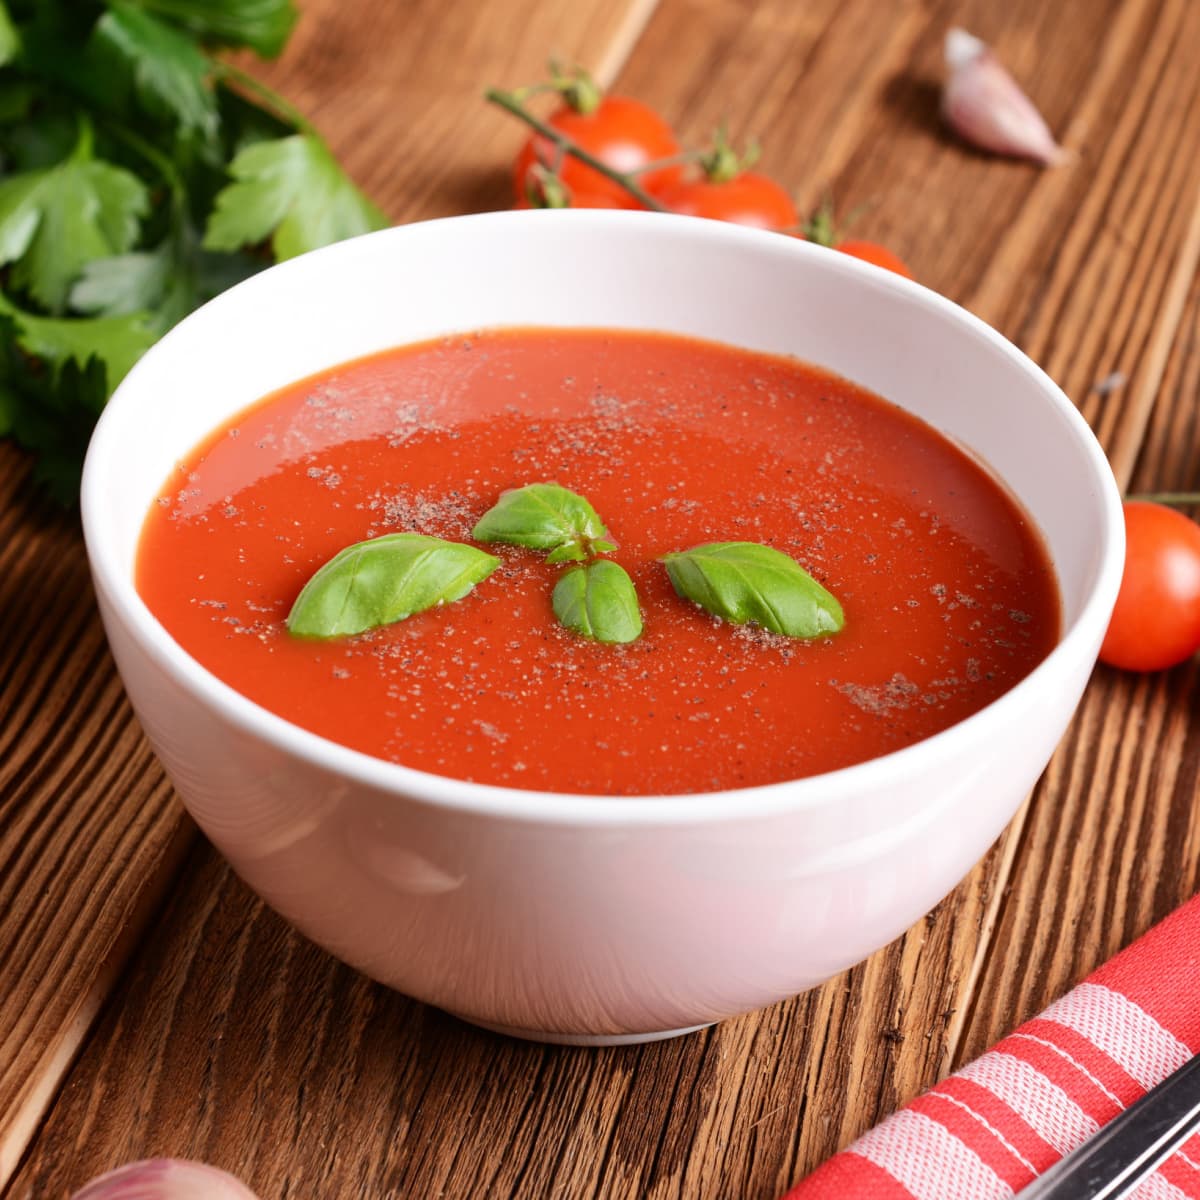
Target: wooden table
150, 1005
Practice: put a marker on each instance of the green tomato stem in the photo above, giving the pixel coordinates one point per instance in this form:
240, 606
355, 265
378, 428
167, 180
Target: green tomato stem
823, 230
533, 89
577, 88
511, 103
721, 163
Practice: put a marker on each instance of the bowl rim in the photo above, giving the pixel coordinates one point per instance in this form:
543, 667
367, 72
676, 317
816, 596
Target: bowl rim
1077, 642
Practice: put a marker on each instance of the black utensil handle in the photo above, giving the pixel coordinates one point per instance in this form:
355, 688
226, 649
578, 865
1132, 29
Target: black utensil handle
1111, 1164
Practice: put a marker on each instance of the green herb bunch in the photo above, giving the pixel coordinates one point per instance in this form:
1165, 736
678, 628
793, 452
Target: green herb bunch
140, 175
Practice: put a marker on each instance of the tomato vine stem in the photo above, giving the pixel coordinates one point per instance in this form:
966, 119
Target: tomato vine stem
512, 103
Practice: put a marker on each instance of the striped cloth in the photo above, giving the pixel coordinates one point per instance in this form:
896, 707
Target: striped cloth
986, 1132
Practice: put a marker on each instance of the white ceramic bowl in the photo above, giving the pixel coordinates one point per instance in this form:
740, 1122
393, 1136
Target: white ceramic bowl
581, 918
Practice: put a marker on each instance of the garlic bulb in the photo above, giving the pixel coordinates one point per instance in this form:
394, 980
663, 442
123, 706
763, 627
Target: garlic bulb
165, 1179
982, 103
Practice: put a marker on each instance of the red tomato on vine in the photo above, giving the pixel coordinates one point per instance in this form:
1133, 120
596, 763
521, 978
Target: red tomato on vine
546, 190
748, 198
873, 252
820, 228
1156, 621
623, 134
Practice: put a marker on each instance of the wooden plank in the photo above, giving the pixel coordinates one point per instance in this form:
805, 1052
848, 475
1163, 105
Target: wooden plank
1104, 85
296, 1073
1116, 826
90, 834
89, 830
306, 1079
398, 88
1107, 302
1113, 821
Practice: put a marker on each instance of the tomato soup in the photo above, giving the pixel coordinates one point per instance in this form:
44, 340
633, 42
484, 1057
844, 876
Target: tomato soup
948, 594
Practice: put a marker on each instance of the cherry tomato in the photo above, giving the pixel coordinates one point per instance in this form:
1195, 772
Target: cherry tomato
872, 252
624, 134
1156, 621
544, 193
746, 199
821, 228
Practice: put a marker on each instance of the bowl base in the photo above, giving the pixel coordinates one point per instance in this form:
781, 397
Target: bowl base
581, 1039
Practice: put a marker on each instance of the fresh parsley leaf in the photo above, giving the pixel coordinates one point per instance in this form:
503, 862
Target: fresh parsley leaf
49, 411
32, 144
54, 221
117, 131
598, 601
123, 283
57, 52
263, 25
167, 281
216, 271
384, 580
69, 21
743, 583
117, 342
10, 39
293, 191
170, 72
16, 100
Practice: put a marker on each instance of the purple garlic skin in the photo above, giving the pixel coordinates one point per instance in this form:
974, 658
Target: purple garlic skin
982, 103
165, 1179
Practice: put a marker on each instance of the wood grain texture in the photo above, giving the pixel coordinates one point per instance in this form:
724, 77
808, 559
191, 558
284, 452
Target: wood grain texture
398, 88
88, 826
239, 1043
233, 1040
1115, 824
90, 834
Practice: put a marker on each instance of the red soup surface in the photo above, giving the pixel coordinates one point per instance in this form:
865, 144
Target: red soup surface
948, 594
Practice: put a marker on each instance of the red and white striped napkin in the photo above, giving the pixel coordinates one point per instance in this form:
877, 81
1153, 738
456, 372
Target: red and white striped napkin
987, 1131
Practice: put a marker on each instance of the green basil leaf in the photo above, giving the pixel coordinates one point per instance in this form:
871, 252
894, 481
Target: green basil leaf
383, 580
570, 552
742, 582
544, 516
599, 601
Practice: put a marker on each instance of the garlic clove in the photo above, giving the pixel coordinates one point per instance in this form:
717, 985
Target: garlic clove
165, 1179
982, 103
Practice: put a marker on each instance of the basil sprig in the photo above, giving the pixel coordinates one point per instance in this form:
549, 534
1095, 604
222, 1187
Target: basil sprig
386, 579
599, 601
743, 583
544, 516
383, 580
